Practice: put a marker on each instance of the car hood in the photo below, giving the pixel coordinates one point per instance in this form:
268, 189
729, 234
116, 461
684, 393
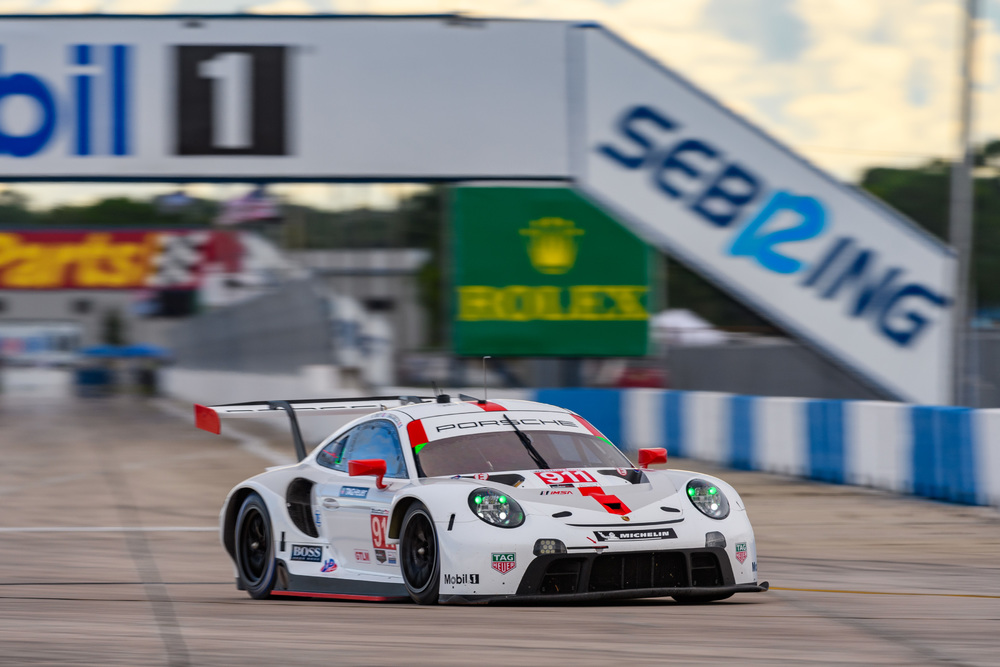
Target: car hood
601, 491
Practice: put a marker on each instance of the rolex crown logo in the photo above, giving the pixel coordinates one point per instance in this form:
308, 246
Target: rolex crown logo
552, 244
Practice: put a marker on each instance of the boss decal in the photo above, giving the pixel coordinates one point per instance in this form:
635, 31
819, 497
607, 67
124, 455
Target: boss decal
307, 553
459, 579
626, 535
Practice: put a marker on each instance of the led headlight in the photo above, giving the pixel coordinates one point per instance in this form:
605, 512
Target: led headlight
496, 508
708, 498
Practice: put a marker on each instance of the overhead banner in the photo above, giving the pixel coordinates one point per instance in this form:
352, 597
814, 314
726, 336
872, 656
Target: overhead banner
328, 98
543, 272
303, 98
94, 259
822, 259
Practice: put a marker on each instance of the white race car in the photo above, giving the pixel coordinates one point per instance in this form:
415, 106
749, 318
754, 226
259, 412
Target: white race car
474, 501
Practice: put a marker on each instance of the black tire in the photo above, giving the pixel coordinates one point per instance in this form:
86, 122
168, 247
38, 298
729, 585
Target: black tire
419, 560
255, 548
700, 599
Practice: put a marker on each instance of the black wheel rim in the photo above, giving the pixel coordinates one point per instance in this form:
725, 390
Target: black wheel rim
420, 551
254, 546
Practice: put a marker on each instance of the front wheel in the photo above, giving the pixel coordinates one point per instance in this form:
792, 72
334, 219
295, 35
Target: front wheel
418, 555
255, 548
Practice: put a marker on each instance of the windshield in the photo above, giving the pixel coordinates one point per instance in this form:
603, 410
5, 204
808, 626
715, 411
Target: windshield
503, 450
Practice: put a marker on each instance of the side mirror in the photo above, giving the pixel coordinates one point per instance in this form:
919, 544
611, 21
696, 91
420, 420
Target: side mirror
377, 467
648, 457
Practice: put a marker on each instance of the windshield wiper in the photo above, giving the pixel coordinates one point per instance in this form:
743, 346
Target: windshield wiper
526, 441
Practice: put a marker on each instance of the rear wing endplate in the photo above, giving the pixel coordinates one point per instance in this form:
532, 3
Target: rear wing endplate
208, 417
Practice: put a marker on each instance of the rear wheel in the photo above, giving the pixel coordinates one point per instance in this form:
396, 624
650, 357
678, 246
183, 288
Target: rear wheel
255, 548
418, 555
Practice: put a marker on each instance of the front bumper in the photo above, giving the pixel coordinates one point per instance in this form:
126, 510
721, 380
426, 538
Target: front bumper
692, 573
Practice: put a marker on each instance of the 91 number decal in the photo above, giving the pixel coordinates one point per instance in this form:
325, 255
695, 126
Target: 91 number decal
565, 476
380, 531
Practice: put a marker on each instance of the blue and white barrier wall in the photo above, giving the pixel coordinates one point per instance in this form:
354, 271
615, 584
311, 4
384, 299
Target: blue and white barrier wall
943, 453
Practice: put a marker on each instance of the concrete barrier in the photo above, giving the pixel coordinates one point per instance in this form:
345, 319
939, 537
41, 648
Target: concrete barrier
943, 453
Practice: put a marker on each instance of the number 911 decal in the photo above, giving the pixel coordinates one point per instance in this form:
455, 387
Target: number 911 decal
553, 477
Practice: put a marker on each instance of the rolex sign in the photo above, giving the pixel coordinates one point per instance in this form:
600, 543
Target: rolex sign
543, 272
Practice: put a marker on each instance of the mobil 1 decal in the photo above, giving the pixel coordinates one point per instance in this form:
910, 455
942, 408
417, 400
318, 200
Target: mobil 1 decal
556, 477
380, 530
231, 100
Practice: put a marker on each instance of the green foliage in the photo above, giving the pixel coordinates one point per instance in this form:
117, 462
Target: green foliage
922, 194
686, 289
111, 212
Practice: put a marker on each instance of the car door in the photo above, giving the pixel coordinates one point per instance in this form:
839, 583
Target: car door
355, 512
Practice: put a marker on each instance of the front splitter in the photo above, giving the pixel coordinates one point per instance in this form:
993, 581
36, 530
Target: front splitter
700, 592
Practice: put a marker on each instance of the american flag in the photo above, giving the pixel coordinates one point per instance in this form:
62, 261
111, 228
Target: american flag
255, 205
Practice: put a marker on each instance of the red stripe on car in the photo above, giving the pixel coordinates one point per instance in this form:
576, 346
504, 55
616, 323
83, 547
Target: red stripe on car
588, 426
490, 407
336, 596
417, 434
609, 502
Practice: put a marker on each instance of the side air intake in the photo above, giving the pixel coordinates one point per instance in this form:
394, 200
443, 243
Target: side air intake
298, 500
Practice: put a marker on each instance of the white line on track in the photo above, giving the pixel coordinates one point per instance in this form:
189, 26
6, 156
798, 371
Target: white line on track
110, 529
248, 443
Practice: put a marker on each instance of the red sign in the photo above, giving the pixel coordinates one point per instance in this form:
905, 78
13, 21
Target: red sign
130, 259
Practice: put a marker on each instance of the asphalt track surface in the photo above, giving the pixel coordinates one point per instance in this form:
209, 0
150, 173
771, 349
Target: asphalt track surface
109, 556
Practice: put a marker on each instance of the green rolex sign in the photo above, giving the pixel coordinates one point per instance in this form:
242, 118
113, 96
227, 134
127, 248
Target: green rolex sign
543, 272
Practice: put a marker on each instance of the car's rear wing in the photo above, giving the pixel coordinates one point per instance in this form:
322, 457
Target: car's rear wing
208, 417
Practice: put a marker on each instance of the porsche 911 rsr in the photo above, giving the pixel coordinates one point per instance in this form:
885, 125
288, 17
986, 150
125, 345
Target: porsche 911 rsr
472, 501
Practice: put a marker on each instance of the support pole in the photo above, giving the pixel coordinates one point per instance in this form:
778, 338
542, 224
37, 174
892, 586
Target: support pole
960, 216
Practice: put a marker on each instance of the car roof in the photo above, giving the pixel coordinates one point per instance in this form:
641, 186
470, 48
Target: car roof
425, 410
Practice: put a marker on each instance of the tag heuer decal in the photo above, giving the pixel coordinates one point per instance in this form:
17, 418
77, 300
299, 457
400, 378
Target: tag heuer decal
741, 551
504, 563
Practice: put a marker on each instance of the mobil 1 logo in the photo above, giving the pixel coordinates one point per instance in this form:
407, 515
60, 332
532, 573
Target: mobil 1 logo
231, 100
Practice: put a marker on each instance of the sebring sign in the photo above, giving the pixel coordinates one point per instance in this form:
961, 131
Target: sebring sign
819, 258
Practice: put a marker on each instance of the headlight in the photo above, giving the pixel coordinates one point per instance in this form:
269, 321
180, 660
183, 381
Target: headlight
708, 498
496, 508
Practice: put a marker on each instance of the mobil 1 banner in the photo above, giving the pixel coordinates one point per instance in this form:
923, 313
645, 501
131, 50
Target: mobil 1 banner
821, 259
290, 98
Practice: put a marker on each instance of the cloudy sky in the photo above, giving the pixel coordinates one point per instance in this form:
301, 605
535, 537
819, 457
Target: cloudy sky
847, 83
